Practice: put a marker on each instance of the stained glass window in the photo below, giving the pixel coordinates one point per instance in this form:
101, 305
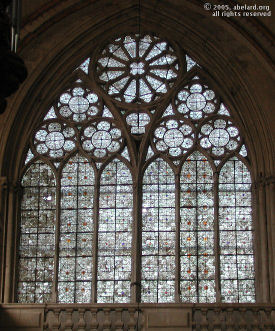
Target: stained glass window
139, 143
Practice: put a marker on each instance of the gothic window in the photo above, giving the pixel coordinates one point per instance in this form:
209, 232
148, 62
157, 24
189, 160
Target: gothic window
136, 185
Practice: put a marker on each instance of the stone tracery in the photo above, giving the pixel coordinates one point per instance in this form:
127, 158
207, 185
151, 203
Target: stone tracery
193, 123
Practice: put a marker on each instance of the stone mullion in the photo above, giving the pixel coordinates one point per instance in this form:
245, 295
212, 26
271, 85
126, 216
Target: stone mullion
17, 196
3, 208
57, 238
217, 237
95, 239
137, 237
271, 235
177, 243
261, 244
11, 201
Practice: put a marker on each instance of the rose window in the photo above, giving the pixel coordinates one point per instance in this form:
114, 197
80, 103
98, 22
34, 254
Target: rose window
219, 136
196, 101
173, 136
101, 138
78, 104
54, 139
137, 68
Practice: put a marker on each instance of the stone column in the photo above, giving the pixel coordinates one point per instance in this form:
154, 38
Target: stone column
3, 211
270, 213
10, 240
262, 238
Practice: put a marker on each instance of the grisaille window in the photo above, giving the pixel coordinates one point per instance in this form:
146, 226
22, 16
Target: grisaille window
136, 181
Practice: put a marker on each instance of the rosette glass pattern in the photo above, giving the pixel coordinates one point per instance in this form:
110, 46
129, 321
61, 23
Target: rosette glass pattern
101, 138
79, 104
196, 101
54, 139
173, 136
219, 136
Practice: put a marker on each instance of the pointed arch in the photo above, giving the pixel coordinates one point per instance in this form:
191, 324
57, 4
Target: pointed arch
190, 136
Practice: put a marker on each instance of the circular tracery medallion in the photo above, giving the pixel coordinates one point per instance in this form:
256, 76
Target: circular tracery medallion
101, 138
219, 136
137, 69
173, 136
54, 139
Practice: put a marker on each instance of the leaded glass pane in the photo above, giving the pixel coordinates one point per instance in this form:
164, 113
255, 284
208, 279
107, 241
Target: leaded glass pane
76, 231
37, 239
115, 234
236, 236
158, 234
197, 261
